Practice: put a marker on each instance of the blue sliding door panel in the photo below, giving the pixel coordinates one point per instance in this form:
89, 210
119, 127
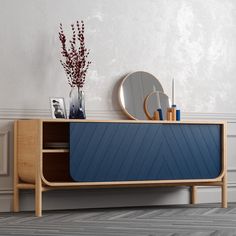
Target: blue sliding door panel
104, 151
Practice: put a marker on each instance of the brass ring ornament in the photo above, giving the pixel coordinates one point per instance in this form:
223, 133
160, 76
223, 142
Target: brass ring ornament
163, 102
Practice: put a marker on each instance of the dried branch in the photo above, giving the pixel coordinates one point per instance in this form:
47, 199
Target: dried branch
75, 57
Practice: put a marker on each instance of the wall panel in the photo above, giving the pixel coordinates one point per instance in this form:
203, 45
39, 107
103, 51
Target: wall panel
73, 199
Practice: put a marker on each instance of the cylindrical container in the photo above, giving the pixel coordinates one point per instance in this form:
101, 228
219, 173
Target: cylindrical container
169, 114
156, 115
160, 113
173, 110
178, 115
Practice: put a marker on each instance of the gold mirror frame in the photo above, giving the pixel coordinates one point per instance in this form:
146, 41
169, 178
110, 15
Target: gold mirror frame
145, 83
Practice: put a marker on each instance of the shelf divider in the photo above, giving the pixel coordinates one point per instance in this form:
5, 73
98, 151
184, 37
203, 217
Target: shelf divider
55, 150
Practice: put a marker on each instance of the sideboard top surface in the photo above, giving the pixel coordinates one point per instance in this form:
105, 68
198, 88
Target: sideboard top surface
131, 121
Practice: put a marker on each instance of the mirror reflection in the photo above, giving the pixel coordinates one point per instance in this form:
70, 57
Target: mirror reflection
134, 88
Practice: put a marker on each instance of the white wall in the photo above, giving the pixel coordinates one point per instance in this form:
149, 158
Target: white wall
190, 40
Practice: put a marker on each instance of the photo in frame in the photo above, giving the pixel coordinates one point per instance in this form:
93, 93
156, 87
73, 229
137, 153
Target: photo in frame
58, 108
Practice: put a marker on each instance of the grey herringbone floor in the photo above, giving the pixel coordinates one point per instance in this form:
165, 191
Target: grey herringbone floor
198, 220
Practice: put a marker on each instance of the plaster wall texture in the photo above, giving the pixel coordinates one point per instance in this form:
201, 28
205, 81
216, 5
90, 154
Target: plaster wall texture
191, 41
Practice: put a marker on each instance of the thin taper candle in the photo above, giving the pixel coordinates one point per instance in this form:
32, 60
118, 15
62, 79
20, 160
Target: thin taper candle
173, 92
157, 96
158, 100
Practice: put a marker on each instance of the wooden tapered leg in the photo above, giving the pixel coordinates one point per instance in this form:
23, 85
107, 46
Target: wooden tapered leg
224, 194
193, 194
38, 199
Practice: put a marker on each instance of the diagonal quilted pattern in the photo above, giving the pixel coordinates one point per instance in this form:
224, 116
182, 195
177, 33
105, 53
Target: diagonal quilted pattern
103, 151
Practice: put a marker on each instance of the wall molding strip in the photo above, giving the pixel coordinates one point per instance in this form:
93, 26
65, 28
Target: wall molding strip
4, 153
9, 114
15, 113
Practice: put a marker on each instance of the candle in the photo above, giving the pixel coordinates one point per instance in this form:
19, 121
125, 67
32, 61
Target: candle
158, 100
157, 97
173, 92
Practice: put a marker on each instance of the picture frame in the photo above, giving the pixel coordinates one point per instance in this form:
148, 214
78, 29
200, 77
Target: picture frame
58, 108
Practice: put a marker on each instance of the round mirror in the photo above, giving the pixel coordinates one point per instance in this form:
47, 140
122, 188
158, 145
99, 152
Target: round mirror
133, 90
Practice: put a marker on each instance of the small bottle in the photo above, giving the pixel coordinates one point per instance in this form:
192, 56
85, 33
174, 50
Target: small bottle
156, 115
169, 114
178, 115
160, 113
173, 110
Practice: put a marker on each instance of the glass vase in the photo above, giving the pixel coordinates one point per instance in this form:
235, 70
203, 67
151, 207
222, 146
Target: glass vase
77, 103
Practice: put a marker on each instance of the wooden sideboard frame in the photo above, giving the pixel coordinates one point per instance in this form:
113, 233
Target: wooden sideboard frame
28, 164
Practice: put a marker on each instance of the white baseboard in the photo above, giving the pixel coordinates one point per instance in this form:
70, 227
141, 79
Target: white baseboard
103, 198
6, 197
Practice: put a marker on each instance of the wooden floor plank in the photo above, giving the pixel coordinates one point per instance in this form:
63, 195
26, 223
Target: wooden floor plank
200, 220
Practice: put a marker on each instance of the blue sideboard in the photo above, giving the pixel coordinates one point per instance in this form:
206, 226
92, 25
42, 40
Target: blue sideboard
107, 151
60, 153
